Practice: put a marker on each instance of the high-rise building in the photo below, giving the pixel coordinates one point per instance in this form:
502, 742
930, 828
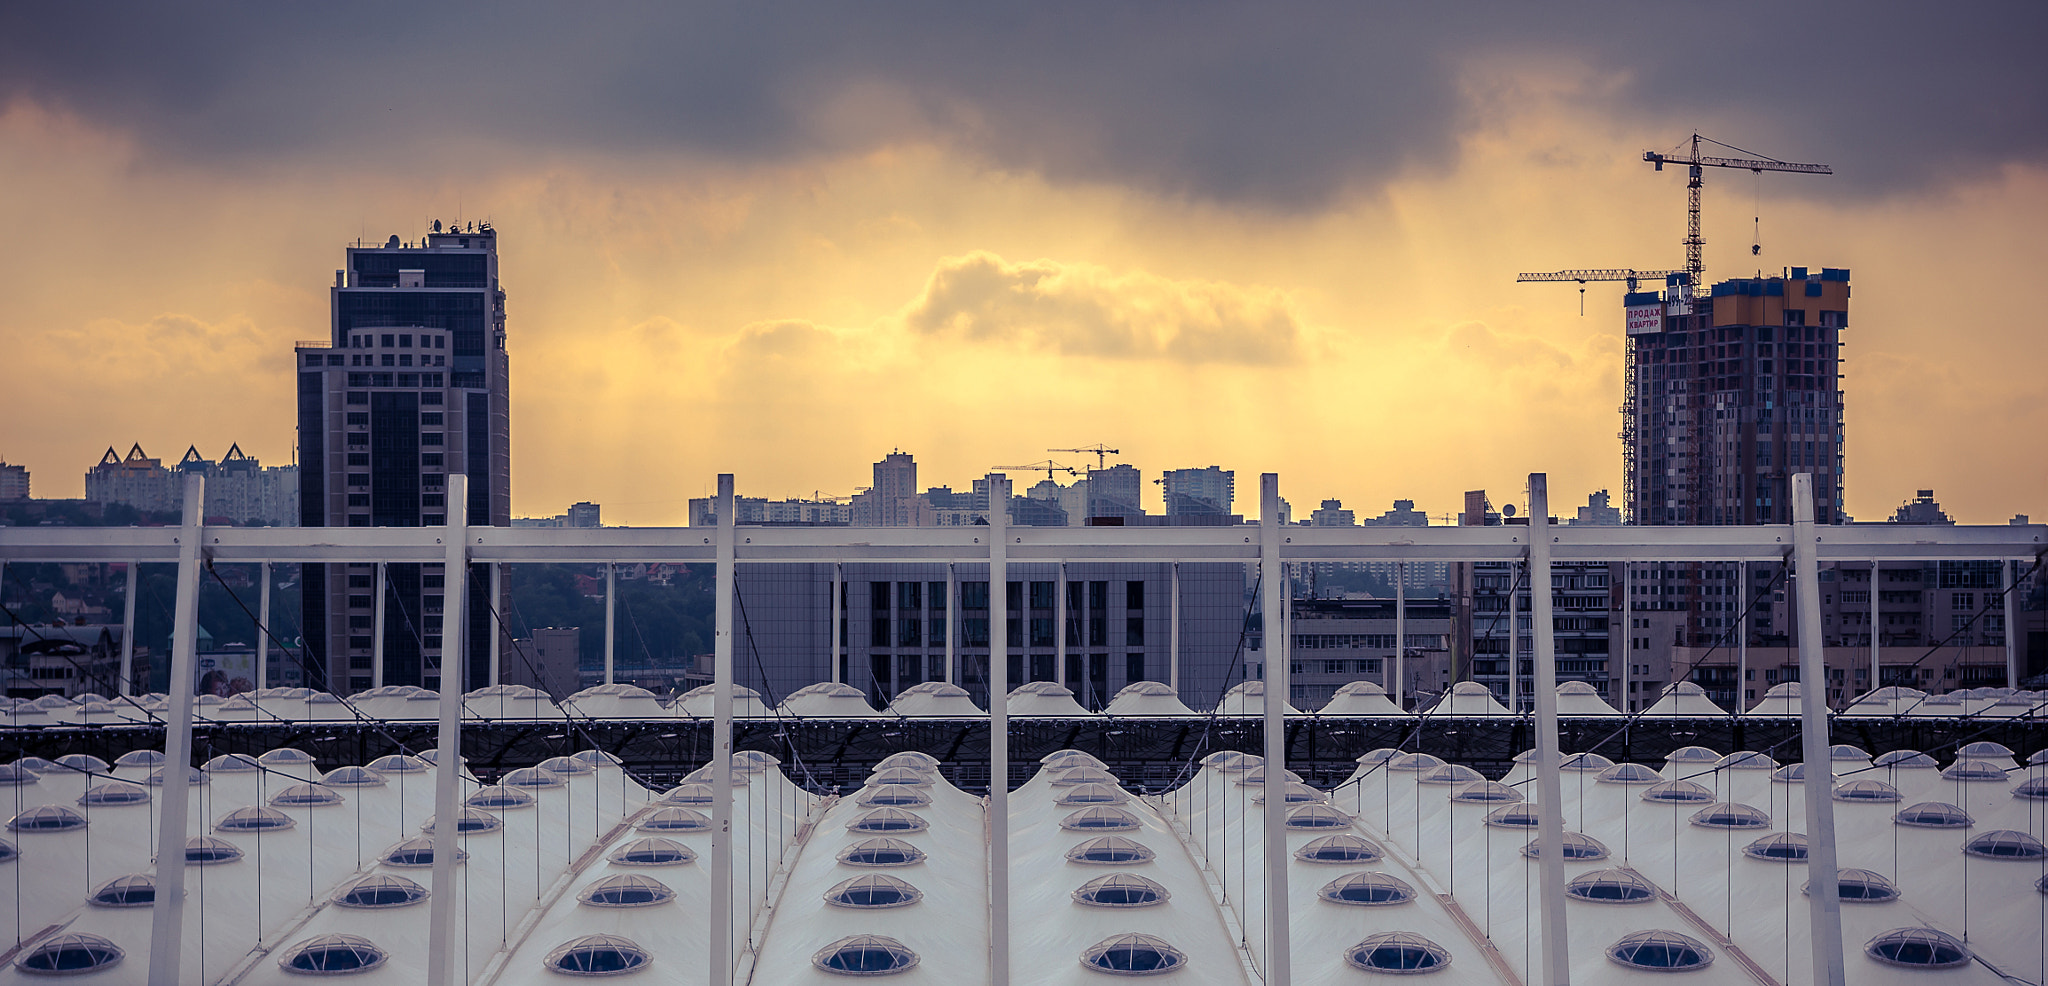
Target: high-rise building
1732, 395
410, 388
136, 480
1208, 490
13, 482
892, 500
1115, 492
584, 514
1332, 514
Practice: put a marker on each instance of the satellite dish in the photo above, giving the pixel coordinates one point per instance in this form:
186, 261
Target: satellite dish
1507, 510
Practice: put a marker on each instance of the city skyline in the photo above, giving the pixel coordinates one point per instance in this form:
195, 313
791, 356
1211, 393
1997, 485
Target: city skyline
870, 266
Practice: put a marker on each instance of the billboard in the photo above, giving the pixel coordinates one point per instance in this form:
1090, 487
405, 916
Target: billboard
1644, 319
225, 673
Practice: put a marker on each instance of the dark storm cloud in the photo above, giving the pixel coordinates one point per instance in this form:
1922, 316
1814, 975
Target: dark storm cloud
1272, 105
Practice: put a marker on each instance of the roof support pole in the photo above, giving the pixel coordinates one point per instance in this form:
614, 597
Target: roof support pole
950, 614
611, 604
2012, 654
1515, 637
1274, 601
1742, 639
1400, 631
1173, 633
998, 730
167, 915
497, 624
722, 903
263, 628
443, 908
377, 642
838, 645
1628, 643
1060, 620
1824, 896
128, 635
1876, 657
1557, 960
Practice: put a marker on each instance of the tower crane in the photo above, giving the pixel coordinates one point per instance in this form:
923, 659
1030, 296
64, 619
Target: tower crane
1695, 163
1633, 277
1048, 465
1100, 451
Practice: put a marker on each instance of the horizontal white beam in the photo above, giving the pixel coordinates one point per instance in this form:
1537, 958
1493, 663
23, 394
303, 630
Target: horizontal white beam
853, 545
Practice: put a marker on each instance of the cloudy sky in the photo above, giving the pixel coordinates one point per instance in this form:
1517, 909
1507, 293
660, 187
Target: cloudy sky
781, 240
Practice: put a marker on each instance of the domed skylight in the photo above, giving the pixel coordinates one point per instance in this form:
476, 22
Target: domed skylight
652, 851
1730, 815
1576, 846
597, 955
873, 890
865, 955
676, 820
1397, 953
1660, 951
1335, 849
69, 954
1121, 890
380, 891
114, 794
627, 890
254, 819
1369, 889
1678, 793
305, 796
1866, 790
881, 852
1918, 948
133, 890
332, 955
883, 820
1933, 815
1855, 886
1611, 886
2005, 844
1315, 817
1630, 773
1133, 955
1103, 818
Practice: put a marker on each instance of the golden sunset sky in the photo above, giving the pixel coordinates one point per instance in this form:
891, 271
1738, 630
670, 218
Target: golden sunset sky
781, 242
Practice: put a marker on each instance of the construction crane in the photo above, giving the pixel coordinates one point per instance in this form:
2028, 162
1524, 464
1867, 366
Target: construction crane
1695, 163
1100, 451
1633, 277
1048, 466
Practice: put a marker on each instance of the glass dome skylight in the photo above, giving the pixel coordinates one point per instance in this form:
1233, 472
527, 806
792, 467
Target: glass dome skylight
1630, 773
1866, 790
1660, 951
873, 890
470, 821
1521, 816
353, 777
1577, 845
652, 851
1121, 890
1781, 847
1397, 953
380, 890
676, 820
205, 850
1730, 815
305, 796
865, 955
1856, 886
500, 798
1918, 948
332, 955
1905, 760
1450, 773
892, 796
1104, 818
597, 955
886, 820
1974, 770
1678, 793
417, 851
133, 890
254, 819
1369, 889
1133, 955
1611, 886
1487, 792
626, 890
881, 852
1092, 794
114, 794
1339, 849
2005, 844
689, 794
1317, 817
398, 763
1934, 815
69, 954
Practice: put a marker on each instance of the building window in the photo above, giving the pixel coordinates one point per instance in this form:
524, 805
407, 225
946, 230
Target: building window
408, 379
357, 396
1134, 629
430, 438
359, 459
430, 418
432, 398
359, 520
1134, 595
380, 379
